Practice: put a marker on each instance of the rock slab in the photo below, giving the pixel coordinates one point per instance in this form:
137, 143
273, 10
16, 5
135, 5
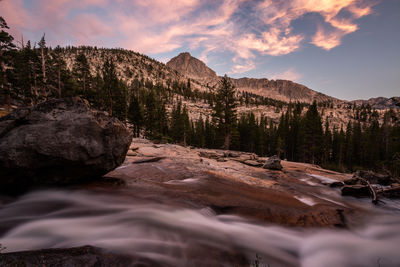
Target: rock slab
59, 142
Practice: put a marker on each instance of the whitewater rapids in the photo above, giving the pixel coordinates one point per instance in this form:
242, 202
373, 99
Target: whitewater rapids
64, 219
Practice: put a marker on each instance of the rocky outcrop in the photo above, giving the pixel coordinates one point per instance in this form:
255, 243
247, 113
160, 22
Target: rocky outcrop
59, 142
273, 163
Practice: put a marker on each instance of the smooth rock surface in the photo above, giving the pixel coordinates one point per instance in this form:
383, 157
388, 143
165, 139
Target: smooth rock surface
59, 142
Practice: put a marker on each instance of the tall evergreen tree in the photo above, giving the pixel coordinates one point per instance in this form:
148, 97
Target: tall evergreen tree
6, 45
135, 115
82, 69
225, 109
313, 135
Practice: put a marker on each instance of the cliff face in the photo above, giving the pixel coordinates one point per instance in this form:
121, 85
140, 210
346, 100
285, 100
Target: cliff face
283, 90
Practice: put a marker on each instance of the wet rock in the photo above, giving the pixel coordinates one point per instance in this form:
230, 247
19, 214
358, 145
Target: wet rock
374, 178
273, 163
59, 142
87, 256
355, 191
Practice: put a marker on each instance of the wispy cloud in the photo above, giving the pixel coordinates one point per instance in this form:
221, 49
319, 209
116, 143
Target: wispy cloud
243, 28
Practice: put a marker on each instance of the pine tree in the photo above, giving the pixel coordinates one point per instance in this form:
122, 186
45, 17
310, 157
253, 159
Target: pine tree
82, 69
135, 115
43, 56
312, 135
115, 92
6, 45
225, 110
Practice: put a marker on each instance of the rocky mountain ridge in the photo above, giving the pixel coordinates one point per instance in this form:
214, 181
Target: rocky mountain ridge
380, 102
282, 90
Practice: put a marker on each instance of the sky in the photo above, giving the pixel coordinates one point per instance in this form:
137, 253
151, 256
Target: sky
347, 49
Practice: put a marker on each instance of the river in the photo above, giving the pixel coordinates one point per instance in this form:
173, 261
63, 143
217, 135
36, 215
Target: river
183, 236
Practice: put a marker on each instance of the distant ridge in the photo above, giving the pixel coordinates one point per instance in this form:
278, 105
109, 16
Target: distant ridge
283, 90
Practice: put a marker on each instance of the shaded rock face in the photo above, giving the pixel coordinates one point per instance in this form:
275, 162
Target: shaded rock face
59, 142
273, 163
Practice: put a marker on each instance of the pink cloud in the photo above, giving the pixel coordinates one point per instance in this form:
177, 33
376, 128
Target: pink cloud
211, 26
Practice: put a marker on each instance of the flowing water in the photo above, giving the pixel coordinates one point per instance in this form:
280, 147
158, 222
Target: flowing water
170, 235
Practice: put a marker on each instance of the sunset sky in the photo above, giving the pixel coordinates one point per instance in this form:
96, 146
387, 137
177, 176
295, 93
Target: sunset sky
344, 48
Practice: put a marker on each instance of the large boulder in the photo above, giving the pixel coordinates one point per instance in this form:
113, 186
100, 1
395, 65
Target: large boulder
273, 163
59, 142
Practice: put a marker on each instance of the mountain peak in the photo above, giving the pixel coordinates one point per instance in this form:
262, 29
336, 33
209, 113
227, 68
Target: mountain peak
192, 67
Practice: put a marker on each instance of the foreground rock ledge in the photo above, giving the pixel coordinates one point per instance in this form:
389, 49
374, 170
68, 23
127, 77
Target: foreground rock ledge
59, 142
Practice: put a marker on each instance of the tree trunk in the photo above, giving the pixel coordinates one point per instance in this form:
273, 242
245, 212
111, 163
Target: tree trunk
43, 65
227, 140
59, 82
111, 104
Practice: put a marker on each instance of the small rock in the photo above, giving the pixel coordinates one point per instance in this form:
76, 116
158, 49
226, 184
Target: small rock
221, 160
273, 163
